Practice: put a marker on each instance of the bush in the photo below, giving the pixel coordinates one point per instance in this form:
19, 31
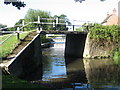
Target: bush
117, 54
44, 39
107, 36
109, 33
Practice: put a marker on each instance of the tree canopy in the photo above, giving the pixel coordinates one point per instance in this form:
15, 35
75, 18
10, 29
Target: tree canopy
48, 22
16, 3
2, 26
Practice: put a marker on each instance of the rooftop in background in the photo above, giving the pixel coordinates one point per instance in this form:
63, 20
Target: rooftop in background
111, 19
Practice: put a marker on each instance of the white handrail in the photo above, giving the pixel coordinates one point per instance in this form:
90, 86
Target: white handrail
7, 38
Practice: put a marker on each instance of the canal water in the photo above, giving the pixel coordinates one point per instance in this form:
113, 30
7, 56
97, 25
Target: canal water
64, 73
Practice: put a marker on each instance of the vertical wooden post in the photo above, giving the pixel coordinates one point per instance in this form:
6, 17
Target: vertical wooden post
56, 20
53, 24
18, 33
73, 27
39, 27
39, 23
23, 24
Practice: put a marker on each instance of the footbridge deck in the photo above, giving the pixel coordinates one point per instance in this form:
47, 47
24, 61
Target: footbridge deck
63, 32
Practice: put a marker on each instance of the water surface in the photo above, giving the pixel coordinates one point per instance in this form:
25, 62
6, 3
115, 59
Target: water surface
64, 73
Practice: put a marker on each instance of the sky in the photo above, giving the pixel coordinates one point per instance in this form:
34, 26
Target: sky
88, 10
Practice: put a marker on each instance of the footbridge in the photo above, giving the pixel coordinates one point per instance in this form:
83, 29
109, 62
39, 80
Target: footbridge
75, 42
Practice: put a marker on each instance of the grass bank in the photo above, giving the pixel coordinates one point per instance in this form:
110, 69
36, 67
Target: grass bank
8, 46
9, 81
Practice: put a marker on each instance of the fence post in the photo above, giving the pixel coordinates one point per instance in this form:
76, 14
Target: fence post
23, 24
18, 33
73, 27
39, 27
38, 23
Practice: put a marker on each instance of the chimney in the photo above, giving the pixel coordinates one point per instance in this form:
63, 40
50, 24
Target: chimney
114, 11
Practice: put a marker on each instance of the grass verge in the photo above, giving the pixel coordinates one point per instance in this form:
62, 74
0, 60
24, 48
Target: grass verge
9, 81
8, 46
14, 82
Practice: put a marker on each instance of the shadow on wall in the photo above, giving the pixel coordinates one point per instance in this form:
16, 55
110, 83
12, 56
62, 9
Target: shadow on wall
74, 46
28, 60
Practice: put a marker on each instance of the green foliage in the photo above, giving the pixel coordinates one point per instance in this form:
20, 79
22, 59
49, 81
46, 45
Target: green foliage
85, 27
62, 19
106, 36
44, 39
32, 16
9, 81
79, 29
12, 29
2, 26
15, 3
117, 55
109, 33
8, 46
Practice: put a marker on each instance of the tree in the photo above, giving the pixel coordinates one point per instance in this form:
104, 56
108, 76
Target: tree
2, 26
46, 20
32, 16
16, 3
62, 21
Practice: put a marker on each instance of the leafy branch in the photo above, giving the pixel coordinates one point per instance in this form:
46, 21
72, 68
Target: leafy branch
16, 3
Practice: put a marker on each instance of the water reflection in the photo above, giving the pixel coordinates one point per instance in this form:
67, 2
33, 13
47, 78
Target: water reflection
102, 73
75, 73
87, 73
53, 64
75, 70
63, 72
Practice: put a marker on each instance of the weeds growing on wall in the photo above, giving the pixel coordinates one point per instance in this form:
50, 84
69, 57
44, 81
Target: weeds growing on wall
117, 54
106, 36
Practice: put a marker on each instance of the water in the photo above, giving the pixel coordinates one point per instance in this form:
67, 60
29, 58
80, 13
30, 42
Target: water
75, 73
